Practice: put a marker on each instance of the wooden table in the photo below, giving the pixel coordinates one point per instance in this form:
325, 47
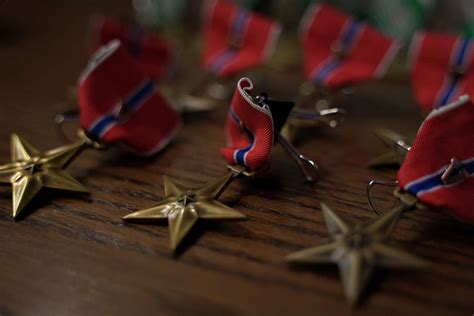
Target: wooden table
75, 256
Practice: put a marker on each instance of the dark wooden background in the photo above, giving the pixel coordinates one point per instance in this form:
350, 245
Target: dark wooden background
74, 255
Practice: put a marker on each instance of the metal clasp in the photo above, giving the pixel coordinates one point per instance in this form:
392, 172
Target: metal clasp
455, 172
338, 50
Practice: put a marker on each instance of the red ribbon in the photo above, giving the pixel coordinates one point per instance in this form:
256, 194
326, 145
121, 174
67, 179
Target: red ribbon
249, 130
439, 167
154, 55
236, 39
339, 51
441, 68
118, 103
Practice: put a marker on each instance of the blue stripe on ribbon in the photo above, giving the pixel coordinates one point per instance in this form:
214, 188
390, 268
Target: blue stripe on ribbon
102, 125
98, 128
460, 61
134, 41
435, 181
350, 34
222, 59
324, 72
139, 96
347, 40
239, 23
238, 28
240, 153
234, 116
461, 58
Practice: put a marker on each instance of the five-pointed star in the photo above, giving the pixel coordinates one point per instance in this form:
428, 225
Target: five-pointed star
31, 170
398, 149
182, 207
357, 249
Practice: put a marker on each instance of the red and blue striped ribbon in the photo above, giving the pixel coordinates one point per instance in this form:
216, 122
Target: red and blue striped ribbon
433, 181
241, 19
461, 61
105, 122
348, 37
239, 155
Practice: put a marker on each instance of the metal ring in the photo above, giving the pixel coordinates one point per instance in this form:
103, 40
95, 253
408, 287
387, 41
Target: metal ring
89, 141
66, 116
373, 183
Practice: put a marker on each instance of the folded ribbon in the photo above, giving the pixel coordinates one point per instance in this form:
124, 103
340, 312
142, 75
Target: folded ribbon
236, 39
439, 167
154, 55
340, 51
249, 130
118, 103
441, 68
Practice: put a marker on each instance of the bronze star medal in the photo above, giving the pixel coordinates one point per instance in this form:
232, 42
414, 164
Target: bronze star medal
357, 249
398, 149
182, 207
31, 170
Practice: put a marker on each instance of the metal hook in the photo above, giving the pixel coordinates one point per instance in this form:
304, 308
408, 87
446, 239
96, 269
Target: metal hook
307, 115
66, 116
373, 183
300, 160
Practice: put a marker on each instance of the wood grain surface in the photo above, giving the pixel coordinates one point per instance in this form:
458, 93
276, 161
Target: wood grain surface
74, 256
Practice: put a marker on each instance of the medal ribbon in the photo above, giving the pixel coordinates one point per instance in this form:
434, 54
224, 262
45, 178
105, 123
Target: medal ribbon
349, 35
440, 68
153, 54
249, 129
238, 28
460, 54
236, 39
439, 167
339, 51
119, 104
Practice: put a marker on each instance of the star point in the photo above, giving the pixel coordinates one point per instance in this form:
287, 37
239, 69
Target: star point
183, 206
398, 149
357, 249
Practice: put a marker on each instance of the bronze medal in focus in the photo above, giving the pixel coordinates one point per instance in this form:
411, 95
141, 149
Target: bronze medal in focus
183, 206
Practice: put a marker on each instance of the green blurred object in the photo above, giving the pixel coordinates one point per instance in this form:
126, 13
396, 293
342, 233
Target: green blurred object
400, 19
156, 14
468, 11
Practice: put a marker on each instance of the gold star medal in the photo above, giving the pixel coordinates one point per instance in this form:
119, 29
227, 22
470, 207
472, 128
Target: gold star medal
183, 206
31, 170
